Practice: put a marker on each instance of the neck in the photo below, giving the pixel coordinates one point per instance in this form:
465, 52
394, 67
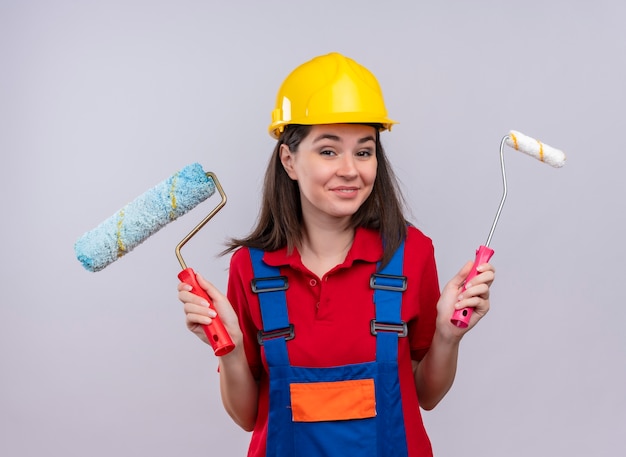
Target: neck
324, 247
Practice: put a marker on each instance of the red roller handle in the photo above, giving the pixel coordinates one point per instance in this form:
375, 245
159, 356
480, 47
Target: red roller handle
461, 317
215, 331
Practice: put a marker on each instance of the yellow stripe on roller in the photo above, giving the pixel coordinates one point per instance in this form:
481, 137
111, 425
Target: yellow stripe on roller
173, 196
512, 135
540, 151
121, 248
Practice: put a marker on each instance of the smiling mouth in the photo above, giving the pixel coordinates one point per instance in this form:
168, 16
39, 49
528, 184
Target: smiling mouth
347, 192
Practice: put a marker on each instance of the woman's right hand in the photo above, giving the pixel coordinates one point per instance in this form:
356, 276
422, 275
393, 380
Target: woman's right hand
198, 313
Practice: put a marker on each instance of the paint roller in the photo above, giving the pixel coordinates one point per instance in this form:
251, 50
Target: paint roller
533, 148
146, 215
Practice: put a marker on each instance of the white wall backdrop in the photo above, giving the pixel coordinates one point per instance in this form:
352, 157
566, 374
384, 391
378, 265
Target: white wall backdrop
99, 101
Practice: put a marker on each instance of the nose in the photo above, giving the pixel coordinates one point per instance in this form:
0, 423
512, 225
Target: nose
347, 167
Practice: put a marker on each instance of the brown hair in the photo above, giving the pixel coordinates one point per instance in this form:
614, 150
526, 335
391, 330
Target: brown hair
280, 220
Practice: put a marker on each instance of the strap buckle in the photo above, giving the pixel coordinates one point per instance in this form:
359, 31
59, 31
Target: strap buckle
269, 284
401, 329
388, 282
287, 332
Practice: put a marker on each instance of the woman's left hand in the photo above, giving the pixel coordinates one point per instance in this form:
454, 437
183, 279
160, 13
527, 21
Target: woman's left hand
475, 296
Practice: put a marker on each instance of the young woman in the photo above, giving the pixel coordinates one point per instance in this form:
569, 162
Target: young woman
341, 333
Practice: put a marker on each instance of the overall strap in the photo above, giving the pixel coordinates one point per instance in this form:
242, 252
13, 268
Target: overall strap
388, 286
270, 287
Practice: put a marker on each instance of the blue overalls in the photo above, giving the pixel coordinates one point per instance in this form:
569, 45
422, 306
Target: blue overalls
338, 411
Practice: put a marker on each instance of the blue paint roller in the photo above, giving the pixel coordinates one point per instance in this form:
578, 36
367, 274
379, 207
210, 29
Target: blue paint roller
146, 215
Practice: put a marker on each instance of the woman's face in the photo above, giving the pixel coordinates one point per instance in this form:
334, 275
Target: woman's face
335, 167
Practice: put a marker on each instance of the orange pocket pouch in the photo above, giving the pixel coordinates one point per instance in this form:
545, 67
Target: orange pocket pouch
333, 401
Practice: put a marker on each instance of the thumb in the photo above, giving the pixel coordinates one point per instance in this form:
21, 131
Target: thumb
210, 289
219, 300
458, 280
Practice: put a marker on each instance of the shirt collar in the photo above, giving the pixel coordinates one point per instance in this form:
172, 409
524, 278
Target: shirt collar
367, 247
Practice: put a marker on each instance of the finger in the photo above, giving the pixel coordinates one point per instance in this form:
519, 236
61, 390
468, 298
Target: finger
478, 296
209, 288
202, 310
190, 297
485, 277
198, 315
486, 266
198, 319
479, 290
479, 306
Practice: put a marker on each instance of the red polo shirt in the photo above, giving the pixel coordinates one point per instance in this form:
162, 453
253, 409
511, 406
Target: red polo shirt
331, 316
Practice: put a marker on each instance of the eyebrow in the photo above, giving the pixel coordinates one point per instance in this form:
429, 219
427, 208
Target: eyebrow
329, 136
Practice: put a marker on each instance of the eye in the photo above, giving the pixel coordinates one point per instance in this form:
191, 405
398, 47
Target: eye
365, 153
327, 152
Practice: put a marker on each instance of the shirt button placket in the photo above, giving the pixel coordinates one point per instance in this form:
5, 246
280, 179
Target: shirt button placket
313, 283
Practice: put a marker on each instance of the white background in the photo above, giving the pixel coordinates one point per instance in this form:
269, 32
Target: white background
100, 101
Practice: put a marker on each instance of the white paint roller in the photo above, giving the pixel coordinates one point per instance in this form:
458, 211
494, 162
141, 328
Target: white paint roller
534, 148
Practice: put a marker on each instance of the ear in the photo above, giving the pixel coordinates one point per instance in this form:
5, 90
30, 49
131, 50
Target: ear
287, 159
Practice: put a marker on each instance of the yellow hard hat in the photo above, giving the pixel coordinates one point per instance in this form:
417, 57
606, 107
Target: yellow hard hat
329, 89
